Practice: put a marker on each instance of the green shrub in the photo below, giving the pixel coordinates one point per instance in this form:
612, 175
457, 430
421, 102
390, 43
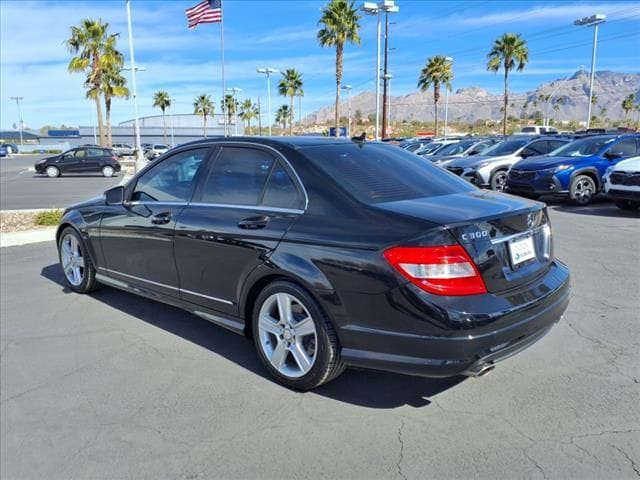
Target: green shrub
48, 217
54, 151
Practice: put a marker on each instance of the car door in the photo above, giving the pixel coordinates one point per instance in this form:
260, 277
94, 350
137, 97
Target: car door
239, 214
92, 160
71, 161
137, 237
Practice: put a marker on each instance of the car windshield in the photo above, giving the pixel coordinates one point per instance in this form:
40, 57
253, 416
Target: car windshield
377, 173
431, 148
455, 148
585, 147
506, 148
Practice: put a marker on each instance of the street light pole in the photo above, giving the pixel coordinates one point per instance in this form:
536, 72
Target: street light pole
268, 71
139, 157
448, 60
173, 141
348, 88
592, 21
20, 126
233, 91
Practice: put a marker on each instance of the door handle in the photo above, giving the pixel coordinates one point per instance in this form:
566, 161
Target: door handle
254, 223
161, 218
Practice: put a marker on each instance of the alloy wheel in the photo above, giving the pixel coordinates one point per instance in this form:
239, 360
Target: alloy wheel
52, 171
287, 334
108, 171
500, 181
583, 191
73, 262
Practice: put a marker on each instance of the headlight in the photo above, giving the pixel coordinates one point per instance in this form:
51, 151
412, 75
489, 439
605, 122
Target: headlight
609, 170
551, 171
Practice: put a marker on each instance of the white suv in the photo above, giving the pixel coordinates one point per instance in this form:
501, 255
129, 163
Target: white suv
622, 183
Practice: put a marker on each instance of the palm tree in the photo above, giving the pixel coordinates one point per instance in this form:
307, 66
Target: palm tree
436, 72
203, 106
162, 100
627, 106
113, 85
89, 42
248, 112
283, 115
340, 24
290, 86
507, 50
229, 106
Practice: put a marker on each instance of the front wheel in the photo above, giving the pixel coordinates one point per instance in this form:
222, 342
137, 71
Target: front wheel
108, 171
582, 190
294, 338
52, 172
627, 205
78, 269
498, 181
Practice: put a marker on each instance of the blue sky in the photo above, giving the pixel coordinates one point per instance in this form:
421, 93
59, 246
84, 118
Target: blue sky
282, 34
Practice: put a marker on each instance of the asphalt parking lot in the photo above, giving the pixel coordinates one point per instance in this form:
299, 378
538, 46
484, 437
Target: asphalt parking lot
113, 386
21, 188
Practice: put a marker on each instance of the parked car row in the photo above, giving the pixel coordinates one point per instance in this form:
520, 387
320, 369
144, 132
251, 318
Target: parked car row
569, 166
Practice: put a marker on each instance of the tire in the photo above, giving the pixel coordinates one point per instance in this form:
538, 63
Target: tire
582, 190
77, 267
108, 171
627, 205
498, 181
301, 351
52, 171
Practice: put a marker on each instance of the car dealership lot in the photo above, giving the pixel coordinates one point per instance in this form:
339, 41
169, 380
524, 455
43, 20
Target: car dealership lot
114, 386
21, 188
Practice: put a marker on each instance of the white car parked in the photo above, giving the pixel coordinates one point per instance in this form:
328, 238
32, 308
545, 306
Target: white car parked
622, 183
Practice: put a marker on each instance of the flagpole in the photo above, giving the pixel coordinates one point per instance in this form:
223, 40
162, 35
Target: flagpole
224, 89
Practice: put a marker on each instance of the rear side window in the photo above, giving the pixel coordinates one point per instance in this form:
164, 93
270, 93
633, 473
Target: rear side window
281, 191
238, 176
95, 152
375, 173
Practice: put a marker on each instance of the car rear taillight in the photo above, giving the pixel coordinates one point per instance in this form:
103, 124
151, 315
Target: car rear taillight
114, 158
445, 270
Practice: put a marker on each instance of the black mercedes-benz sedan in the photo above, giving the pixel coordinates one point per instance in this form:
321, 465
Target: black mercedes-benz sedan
329, 253
89, 159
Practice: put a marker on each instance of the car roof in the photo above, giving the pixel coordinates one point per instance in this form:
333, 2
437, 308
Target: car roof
293, 142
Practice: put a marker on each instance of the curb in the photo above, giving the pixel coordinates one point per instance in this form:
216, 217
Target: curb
13, 239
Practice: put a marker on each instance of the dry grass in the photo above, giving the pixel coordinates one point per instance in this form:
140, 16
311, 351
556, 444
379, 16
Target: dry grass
20, 222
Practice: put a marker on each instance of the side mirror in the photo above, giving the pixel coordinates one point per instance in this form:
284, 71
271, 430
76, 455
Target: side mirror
114, 196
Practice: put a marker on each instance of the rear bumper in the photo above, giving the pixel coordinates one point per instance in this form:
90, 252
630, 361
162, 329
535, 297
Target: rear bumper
456, 341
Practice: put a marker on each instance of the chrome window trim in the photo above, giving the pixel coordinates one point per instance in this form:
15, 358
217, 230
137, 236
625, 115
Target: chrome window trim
147, 202
248, 207
133, 277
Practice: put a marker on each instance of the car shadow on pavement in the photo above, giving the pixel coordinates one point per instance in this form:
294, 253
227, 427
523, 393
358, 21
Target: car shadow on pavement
365, 388
598, 210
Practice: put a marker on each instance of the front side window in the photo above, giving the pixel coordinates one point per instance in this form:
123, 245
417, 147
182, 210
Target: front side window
238, 176
80, 153
172, 179
585, 147
625, 148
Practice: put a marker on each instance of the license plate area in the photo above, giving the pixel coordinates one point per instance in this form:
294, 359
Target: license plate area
521, 250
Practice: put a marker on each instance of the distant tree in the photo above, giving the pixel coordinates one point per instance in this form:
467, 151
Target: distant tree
627, 106
508, 50
636, 107
229, 107
248, 111
162, 100
436, 72
203, 106
283, 115
340, 24
371, 117
358, 117
90, 42
290, 85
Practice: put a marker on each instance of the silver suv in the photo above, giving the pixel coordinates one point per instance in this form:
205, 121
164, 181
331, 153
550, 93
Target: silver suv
490, 170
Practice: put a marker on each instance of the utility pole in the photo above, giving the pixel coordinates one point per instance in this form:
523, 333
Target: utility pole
259, 118
385, 80
592, 21
139, 157
20, 126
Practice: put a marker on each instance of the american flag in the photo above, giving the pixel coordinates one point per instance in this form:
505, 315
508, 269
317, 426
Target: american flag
207, 11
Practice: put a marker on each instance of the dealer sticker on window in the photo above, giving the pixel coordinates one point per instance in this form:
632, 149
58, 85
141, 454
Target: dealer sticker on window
521, 250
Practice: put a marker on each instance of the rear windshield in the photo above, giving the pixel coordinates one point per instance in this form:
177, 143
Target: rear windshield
375, 173
585, 147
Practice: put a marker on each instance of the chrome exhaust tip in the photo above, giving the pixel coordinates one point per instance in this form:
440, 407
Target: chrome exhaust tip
480, 370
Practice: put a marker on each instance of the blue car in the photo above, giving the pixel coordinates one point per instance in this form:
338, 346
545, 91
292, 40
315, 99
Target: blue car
574, 170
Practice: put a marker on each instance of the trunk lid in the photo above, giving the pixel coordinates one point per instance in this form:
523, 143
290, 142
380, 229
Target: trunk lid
508, 238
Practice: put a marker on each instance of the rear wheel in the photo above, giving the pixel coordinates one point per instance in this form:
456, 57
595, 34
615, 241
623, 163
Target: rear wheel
79, 272
582, 190
294, 338
498, 181
52, 171
108, 171
627, 205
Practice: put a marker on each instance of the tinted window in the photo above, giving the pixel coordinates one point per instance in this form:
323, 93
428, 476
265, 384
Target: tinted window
376, 173
536, 148
80, 153
585, 147
553, 144
506, 148
626, 148
172, 179
454, 148
281, 191
238, 176
95, 152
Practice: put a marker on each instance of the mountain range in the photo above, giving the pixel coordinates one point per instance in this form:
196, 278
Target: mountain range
474, 103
